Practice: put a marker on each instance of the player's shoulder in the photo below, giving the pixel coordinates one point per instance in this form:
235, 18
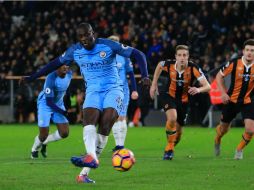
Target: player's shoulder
235, 59
52, 76
75, 46
107, 42
231, 61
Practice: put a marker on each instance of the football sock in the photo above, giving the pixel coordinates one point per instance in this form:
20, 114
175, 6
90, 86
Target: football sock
100, 145
178, 137
123, 131
85, 171
117, 132
220, 132
37, 144
246, 137
53, 137
171, 135
89, 137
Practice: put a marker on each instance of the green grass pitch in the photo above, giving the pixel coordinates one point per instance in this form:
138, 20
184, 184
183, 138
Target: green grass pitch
193, 168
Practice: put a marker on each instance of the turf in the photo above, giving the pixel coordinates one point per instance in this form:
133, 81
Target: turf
194, 166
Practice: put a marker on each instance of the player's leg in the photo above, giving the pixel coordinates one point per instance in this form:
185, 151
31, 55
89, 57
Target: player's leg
122, 117
91, 113
107, 119
248, 116
119, 128
169, 106
43, 124
171, 115
229, 112
90, 138
112, 107
179, 132
61, 132
181, 117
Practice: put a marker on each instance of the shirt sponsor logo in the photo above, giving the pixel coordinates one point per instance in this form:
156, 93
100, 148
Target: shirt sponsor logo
246, 76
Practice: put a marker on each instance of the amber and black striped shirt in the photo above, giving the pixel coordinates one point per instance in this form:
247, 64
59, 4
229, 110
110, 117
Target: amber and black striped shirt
178, 82
242, 81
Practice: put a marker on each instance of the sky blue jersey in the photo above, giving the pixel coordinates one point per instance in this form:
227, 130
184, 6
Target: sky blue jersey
97, 66
55, 87
124, 66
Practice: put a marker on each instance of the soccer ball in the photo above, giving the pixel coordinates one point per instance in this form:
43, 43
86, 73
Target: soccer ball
123, 160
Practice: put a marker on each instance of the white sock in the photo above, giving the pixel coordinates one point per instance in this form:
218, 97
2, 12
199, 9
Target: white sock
100, 145
89, 137
37, 144
53, 137
116, 132
123, 132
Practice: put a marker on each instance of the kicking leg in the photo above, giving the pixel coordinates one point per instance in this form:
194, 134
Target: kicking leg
90, 119
109, 116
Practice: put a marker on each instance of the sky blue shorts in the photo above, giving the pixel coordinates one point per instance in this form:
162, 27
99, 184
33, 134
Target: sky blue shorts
45, 113
112, 98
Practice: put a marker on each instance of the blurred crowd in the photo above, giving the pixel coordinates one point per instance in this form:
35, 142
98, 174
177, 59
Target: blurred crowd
34, 32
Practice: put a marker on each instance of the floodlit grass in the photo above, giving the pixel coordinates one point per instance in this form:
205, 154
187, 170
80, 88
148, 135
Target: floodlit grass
194, 166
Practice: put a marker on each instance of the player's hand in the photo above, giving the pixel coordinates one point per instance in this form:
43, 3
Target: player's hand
153, 90
134, 95
225, 98
23, 80
193, 90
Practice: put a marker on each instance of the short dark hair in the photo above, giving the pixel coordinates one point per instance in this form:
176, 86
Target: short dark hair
85, 25
184, 47
248, 42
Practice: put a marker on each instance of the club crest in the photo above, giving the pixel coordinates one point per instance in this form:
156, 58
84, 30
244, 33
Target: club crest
102, 54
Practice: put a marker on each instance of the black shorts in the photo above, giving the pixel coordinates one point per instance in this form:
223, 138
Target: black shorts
169, 102
230, 110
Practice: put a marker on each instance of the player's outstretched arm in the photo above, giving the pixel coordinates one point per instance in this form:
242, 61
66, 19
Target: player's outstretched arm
141, 60
51, 66
133, 81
